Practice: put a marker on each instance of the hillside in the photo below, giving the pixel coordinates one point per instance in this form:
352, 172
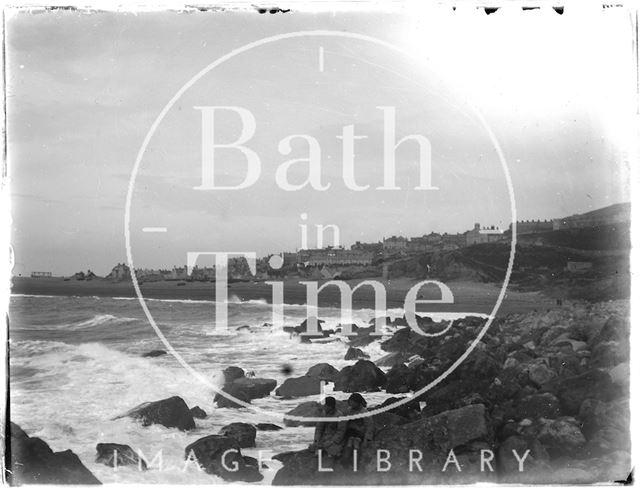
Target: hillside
540, 263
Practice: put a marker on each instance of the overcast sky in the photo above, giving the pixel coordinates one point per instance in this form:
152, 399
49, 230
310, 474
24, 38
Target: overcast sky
84, 89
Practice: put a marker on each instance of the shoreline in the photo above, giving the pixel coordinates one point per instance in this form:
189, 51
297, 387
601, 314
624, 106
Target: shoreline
473, 297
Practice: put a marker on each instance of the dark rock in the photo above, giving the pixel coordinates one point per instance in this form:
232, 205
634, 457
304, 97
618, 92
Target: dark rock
309, 409
451, 394
399, 379
208, 453
572, 391
409, 410
392, 359
301, 330
33, 462
198, 413
540, 373
360, 336
441, 433
422, 375
323, 371
542, 405
385, 420
560, 436
154, 353
355, 354
253, 462
615, 329
284, 456
171, 413
232, 373
608, 354
236, 392
243, 433
115, 455
254, 388
268, 427
299, 387
508, 464
300, 468
606, 441
596, 415
364, 376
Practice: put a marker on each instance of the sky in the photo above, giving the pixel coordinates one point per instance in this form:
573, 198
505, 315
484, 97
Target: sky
84, 89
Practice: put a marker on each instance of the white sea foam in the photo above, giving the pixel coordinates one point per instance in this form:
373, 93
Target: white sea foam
100, 319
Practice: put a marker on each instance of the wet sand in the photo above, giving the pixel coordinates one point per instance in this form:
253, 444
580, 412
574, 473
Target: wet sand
468, 296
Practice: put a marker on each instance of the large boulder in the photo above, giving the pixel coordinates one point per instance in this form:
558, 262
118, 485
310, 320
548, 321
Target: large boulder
154, 353
560, 436
463, 429
608, 354
232, 373
534, 406
409, 410
323, 371
198, 413
172, 412
392, 359
364, 376
355, 354
309, 409
438, 434
243, 433
220, 455
509, 465
299, 387
236, 393
300, 468
615, 329
572, 391
253, 387
268, 427
243, 388
540, 373
466, 430
116, 455
33, 462
399, 379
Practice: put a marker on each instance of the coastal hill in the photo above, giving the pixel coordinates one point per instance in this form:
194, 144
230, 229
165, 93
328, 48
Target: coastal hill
579, 262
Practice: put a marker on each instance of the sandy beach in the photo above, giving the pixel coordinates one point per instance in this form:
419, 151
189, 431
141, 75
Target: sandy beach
468, 296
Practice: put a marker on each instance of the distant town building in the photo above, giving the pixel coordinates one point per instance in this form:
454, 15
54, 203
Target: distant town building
579, 266
394, 244
203, 274
375, 248
149, 275
453, 241
41, 274
529, 227
119, 272
178, 273
480, 235
289, 258
334, 256
419, 244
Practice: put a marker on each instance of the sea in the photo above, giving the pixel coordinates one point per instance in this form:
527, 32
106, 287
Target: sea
76, 364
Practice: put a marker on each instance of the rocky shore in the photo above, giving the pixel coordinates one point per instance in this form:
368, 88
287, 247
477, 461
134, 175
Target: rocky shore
543, 397
553, 386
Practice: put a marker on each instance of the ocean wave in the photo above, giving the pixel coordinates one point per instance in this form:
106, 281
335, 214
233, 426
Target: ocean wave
35, 347
39, 296
100, 319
